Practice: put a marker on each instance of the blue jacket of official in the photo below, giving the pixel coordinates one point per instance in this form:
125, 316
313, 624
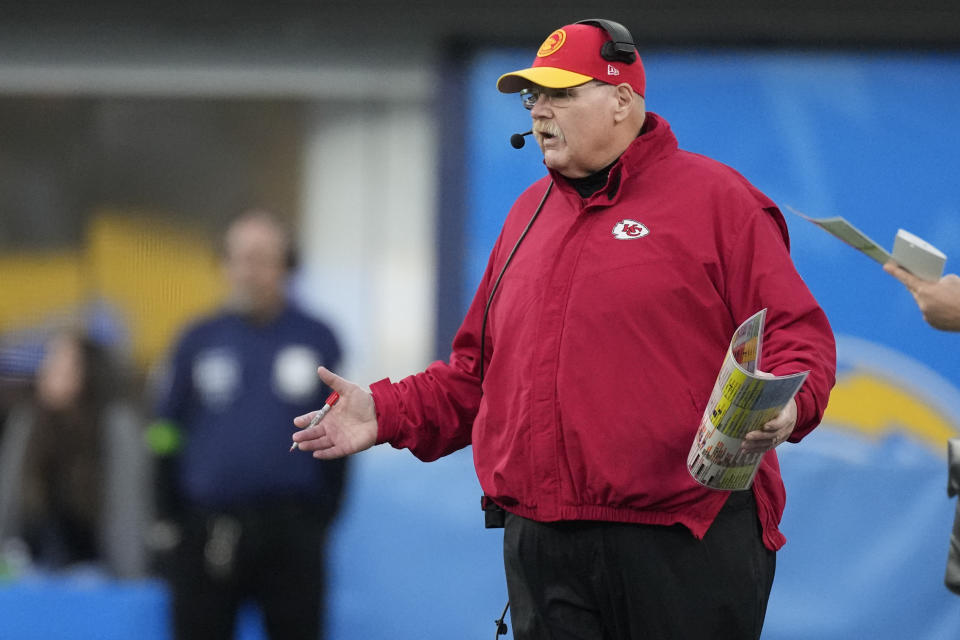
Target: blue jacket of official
233, 388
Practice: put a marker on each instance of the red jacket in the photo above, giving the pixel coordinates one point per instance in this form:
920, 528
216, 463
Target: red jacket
602, 352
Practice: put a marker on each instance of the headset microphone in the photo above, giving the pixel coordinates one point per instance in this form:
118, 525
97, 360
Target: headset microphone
517, 141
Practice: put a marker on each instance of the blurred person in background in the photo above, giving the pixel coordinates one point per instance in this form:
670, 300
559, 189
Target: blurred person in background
252, 519
939, 301
73, 475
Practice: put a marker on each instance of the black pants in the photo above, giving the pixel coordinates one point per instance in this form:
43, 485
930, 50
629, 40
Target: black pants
273, 556
611, 581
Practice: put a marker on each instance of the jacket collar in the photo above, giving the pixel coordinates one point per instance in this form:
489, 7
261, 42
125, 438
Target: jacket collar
655, 141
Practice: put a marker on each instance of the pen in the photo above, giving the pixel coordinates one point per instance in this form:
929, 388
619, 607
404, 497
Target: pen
331, 400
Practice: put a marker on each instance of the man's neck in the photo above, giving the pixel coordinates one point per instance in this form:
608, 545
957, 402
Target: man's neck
589, 185
263, 314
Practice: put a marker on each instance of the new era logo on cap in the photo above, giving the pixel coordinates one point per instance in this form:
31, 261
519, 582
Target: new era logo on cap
612, 70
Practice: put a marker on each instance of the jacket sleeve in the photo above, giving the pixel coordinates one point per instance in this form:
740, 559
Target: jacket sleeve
432, 413
797, 336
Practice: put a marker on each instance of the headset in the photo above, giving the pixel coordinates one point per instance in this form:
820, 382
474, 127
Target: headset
620, 48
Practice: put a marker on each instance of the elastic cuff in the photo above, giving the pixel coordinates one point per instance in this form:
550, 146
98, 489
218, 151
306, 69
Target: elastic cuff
803, 426
384, 402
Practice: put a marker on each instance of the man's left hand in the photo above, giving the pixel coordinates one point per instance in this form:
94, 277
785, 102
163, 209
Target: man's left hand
774, 432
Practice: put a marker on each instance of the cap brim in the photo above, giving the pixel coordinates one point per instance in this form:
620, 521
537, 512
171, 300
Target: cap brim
549, 77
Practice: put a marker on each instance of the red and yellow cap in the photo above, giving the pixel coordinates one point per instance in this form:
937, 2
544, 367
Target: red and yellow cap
571, 56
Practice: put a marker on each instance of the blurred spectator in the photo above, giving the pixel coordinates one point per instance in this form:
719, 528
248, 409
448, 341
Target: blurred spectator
72, 476
252, 517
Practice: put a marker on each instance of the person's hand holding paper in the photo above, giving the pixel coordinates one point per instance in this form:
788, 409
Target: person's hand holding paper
939, 301
914, 262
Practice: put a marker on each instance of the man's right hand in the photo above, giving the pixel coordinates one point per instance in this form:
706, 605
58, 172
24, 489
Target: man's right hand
349, 427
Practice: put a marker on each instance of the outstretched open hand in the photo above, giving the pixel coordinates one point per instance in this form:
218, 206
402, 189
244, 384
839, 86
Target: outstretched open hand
349, 427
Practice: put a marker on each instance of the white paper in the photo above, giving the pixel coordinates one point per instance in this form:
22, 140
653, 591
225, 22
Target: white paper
913, 253
841, 228
918, 256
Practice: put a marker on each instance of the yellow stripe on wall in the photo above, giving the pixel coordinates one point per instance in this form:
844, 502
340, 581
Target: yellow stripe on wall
156, 275
38, 286
876, 407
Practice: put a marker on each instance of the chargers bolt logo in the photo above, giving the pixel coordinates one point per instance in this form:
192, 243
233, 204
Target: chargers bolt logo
553, 42
629, 230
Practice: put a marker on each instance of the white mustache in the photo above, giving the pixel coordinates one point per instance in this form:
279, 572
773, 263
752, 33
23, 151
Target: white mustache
547, 128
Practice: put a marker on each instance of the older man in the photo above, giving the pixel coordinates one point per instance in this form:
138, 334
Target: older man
583, 366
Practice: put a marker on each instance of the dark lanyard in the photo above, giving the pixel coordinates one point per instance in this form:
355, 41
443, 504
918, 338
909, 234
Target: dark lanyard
496, 284
501, 626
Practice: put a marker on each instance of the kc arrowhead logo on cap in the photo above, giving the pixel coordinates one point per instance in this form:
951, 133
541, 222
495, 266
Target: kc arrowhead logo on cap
553, 42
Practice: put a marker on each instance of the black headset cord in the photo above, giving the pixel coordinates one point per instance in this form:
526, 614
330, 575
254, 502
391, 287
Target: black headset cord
496, 284
501, 625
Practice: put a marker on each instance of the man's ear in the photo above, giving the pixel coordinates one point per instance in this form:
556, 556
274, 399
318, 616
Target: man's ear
626, 101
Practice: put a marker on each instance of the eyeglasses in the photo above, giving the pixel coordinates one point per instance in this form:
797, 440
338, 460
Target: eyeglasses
558, 97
